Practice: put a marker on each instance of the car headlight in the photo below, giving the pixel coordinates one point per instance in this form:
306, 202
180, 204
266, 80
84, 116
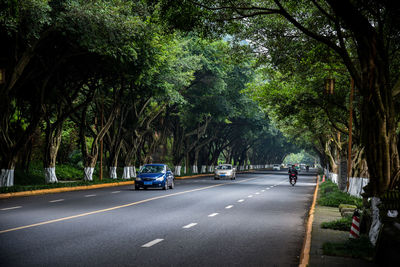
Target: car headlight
138, 179
160, 178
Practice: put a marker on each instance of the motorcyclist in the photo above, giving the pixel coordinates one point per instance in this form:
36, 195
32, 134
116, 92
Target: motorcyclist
294, 171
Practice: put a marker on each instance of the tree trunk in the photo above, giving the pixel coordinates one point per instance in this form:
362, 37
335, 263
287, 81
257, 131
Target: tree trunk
53, 141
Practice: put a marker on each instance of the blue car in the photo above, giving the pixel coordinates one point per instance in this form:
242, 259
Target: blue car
156, 176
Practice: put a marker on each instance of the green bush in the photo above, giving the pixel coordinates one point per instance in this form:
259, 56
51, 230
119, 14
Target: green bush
331, 196
343, 224
355, 248
67, 172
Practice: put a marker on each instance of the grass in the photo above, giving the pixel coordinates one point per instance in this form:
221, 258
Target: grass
354, 248
342, 224
331, 196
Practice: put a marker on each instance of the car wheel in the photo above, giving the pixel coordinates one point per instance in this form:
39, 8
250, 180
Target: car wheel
165, 185
172, 185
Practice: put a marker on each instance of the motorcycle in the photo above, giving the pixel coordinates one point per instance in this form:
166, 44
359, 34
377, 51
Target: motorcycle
292, 179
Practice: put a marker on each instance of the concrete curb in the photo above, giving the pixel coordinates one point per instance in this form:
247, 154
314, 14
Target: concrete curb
85, 187
62, 189
305, 252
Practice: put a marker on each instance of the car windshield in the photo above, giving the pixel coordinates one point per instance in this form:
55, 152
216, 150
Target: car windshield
152, 169
224, 167
276, 165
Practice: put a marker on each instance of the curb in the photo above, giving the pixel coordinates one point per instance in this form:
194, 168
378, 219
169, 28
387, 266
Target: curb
85, 187
305, 252
62, 189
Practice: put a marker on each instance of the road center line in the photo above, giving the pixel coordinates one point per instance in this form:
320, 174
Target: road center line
57, 200
152, 243
12, 208
213, 214
228, 207
189, 225
117, 207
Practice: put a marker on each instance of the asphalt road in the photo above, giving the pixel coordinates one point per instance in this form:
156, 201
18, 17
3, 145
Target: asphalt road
256, 220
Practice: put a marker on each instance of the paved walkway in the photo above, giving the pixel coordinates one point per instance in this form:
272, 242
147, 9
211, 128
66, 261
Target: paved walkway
320, 236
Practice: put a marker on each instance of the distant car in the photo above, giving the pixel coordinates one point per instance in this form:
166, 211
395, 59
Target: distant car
155, 176
276, 167
225, 171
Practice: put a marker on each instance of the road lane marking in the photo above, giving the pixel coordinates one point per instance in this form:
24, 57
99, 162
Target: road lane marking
213, 214
90, 195
152, 243
228, 207
257, 193
189, 225
115, 192
12, 208
263, 190
240, 200
250, 196
268, 188
57, 200
117, 207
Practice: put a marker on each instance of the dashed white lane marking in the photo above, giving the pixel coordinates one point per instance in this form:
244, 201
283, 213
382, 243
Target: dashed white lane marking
228, 207
12, 208
189, 225
56, 200
152, 243
240, 200
263, 190
268, 188
257, 193
213, 214
115, 192
90, 195
250, 196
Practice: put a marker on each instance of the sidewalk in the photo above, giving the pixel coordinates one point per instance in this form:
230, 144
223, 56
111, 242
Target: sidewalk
319, 236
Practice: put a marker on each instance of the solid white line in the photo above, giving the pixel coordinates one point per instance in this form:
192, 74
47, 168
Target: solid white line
189, 225
57, 200
228, 207
240, 200
12, 208
152, 243
115, 192
90, 195
213, 214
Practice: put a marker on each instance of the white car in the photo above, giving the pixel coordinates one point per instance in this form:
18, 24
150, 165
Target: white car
276, 167
225, 171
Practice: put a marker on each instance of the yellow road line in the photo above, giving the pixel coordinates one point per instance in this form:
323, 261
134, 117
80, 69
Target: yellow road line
112, 208
305, 253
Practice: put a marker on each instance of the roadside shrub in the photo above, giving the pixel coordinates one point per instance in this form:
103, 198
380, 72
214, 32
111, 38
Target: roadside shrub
331, 196
68, 172
343, 224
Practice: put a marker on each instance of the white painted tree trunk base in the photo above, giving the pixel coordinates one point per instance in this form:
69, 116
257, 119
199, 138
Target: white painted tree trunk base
6, 177
376, 223
88, 173
203, 168
127, 173
133, 172
177, 170
113, 172
194, 169
50, 175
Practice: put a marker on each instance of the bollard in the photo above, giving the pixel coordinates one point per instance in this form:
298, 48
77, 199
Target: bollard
355, 225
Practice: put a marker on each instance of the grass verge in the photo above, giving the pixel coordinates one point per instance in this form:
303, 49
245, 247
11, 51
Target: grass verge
343, 224
354, 248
